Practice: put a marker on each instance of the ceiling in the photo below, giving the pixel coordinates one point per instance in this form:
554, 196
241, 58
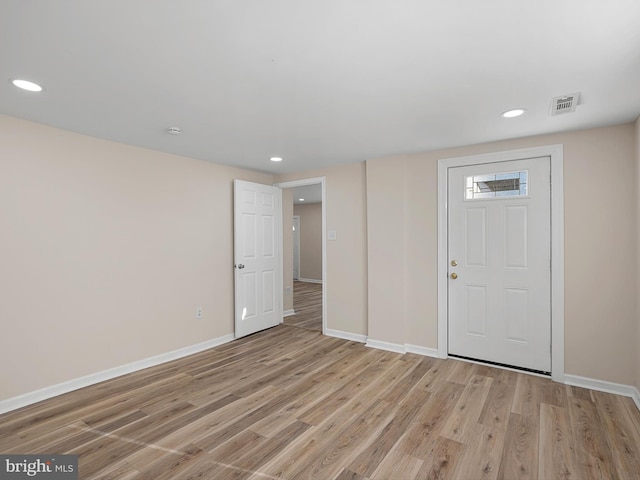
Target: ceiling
318, 83
310, 194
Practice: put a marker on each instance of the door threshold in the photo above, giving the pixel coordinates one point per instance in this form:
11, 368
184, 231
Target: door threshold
539, 373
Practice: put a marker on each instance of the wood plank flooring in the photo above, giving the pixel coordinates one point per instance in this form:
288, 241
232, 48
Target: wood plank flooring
307, 303
288, 403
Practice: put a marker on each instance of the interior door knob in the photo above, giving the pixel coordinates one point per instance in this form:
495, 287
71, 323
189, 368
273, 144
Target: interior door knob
454, 276
240, 266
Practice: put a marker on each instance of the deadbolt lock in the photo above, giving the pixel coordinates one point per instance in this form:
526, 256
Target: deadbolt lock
454, 263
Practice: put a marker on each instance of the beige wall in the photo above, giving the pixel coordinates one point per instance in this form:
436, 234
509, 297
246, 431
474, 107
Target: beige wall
600, 226
346, 282
310, 240
106, 251
287, 247
387, 260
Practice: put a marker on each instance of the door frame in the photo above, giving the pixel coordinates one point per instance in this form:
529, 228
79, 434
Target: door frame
296, 236
557, 243
302, 183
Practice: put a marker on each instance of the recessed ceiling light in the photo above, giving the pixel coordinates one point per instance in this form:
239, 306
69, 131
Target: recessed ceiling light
276, 159
516, 112
26, 85
301, 199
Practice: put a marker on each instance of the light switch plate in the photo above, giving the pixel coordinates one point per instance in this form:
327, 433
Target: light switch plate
332, 235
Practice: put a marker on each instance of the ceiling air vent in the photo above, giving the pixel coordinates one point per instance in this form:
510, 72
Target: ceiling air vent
564, 104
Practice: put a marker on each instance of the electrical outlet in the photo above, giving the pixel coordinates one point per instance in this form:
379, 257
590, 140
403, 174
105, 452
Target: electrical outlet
199, 313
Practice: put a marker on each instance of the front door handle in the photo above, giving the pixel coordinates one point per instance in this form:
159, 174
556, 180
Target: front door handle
454, 276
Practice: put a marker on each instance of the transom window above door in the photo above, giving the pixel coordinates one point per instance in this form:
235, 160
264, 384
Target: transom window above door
492, 185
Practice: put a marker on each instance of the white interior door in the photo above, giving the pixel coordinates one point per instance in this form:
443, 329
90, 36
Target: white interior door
296, 247
257, 257
499, 231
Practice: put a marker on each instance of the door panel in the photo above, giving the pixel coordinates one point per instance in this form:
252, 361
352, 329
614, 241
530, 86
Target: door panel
516, 304
475, 237
258, 267
268, 291
249, 238
268, 235
515, 238
249, 291
476, 310
500, 252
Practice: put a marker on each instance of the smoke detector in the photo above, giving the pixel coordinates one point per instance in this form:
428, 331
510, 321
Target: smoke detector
564, 104
174, 131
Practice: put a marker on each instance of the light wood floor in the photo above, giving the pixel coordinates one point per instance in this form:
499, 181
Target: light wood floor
290, 403
307, 303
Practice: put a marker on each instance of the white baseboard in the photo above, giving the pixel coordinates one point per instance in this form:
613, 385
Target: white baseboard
288, 313
354, 337
602, 386
392, 347
426, 351
309, 280
70, 385
388, 346
400, 348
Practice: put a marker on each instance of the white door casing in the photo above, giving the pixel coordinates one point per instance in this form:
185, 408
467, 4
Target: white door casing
555, 152
257, 257
500, 263
296, 247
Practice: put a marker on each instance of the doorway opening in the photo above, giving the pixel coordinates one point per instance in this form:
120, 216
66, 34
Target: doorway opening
304, 254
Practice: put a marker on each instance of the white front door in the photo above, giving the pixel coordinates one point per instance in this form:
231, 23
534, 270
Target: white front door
257, 252
499, 252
